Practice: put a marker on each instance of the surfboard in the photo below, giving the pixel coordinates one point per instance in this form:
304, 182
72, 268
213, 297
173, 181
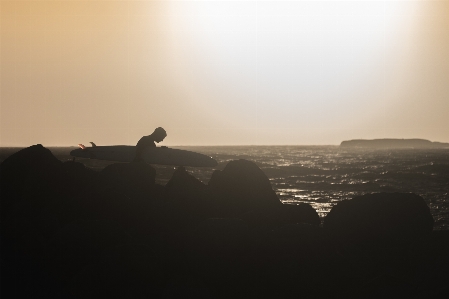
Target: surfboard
151, 155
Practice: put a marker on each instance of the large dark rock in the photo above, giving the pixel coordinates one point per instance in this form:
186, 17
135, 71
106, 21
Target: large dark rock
371, 236
135, 176
293, 241
400, 218
259, 221
30, 180
35, 156
287, 255
82, 242
32, 170
217, 252
219, 237
186, 203
301, 213
184, 185
77, 170
242, 186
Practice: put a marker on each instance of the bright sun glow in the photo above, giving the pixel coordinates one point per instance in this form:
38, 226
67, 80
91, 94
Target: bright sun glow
262, 56
223, 72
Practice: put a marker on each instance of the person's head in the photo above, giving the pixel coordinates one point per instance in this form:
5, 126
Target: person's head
159, 134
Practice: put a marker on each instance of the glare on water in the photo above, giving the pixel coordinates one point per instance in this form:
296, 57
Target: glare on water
324, 175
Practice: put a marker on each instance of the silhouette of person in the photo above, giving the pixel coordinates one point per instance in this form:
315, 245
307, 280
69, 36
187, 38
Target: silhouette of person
149, 141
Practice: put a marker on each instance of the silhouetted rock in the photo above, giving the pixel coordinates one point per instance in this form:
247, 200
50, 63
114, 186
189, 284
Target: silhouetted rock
31, 171
220, 236
79, 177
301, 213
185, 203
260, 221
135, 176
31, 180
400, 218
89, 236
295, 251
132, 210
184, 185
81, 243
35, 156
242, 186
299, 241
77, 170
431, 261
218, 248
142, 266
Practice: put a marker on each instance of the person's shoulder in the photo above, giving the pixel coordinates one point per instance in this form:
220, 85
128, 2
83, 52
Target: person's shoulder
147, 137
146, 141
143, 139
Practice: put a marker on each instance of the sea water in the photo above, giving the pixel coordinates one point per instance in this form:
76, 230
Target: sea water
324, 175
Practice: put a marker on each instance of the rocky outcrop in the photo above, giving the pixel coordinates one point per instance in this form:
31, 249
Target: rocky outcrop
31, 171
186, 202
373, 234
301, 213
184, 185
135, 177
219, 236
218, 247
240, 187
392, 217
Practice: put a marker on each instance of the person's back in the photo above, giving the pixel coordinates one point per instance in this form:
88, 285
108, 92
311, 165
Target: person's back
146, 141
149, 141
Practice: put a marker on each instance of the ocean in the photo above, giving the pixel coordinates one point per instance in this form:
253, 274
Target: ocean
324, 175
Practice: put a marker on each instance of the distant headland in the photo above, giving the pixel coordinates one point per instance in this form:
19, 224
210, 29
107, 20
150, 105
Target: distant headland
392, 143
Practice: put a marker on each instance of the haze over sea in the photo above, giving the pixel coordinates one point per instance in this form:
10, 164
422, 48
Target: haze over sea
325, 175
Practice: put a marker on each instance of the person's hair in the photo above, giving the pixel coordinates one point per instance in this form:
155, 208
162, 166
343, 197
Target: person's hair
160, 132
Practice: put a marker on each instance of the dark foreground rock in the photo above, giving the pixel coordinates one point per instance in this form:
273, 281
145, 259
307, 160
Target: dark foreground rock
30, 170
139, 177
186, 202
70, 232
374, 234
402, 218
241, 187
300, 213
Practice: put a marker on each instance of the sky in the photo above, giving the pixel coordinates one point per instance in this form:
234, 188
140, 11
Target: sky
223, 72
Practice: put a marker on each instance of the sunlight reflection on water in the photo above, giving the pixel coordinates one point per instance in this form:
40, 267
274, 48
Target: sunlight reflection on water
324, 175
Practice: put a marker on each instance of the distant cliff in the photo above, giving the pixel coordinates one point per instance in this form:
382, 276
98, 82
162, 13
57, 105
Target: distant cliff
392, 143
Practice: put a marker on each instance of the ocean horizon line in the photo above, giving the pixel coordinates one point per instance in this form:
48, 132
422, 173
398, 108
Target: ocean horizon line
179, 145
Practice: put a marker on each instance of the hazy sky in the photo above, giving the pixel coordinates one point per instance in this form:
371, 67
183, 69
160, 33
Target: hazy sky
223, 72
